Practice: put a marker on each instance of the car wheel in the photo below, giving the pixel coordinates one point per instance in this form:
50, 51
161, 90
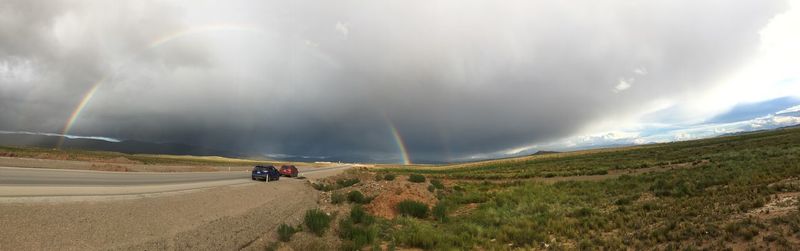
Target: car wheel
253, 177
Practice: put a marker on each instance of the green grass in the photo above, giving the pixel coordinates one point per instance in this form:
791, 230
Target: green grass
317, 221
699, 205
357, 230
598, 162
412, 208
285, 232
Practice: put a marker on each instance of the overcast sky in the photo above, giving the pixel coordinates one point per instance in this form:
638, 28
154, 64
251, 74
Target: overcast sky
455, 79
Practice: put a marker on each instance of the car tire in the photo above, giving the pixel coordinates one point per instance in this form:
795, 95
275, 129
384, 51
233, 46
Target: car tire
254, 178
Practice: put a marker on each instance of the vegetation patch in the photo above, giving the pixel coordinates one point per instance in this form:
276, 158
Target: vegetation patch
416, 178
412, 208
285, 232
340, 183
347, 182
357, 230
708, 194
337, 197
317, 221
356, 197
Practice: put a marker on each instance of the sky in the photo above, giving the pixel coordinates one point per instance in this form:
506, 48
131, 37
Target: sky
398, 81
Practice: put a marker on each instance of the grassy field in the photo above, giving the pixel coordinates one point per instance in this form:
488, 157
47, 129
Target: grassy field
735, 192
115, 157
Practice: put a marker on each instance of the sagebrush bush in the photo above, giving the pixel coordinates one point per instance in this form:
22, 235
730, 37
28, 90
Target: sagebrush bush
389, 177
356, 197
317, 221
416, 178
347, 182
412, 208
440, 211
356, 235
285, 232
436, 183
323, 187
359, 216
337, 197
357, 230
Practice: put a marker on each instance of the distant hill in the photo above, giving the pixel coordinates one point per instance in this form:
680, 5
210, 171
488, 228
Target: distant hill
125, 146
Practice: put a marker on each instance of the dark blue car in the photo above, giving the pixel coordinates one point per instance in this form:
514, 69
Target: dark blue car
267, 173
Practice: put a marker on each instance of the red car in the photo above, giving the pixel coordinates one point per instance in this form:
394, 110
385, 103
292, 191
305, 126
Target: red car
289, 171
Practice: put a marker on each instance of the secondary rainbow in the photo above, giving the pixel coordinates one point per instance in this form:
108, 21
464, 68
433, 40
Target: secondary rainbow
155, 43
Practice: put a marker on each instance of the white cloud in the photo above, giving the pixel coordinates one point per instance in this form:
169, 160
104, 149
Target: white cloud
310, 43
623, 84
790, 109
342, 28
640, 71
13, 69
61, 135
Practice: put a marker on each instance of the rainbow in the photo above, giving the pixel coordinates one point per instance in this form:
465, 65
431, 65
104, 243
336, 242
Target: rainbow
401, 145
155, 43
78, 109
200, 29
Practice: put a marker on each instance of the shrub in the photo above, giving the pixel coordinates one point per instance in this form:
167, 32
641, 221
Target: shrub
317, 221
323, 187
355, 236
337, 197
388, 176
416, 178
356, 230
437, 184
355, 197
359, 216
440, 212
347, 182
412, 208
431, 188
285, 232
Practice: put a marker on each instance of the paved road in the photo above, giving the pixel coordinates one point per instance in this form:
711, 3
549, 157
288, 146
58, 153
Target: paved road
54, 209
61, 177
38, 182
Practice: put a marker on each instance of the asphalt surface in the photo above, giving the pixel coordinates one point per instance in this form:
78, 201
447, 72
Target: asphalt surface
60, 177
39, 184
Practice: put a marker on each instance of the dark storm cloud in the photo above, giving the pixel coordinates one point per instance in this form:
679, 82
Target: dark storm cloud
455, 78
